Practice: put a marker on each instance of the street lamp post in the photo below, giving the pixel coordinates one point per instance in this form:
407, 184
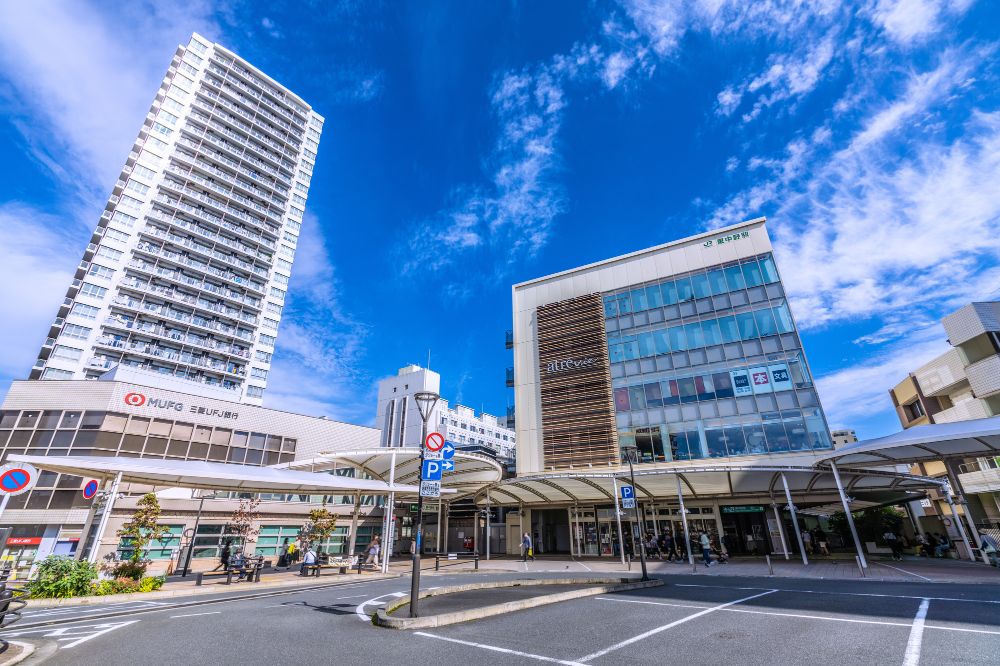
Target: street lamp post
425, 404
628, 451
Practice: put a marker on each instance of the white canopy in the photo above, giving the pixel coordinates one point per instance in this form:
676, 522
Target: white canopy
210, 476
940, 441
707, 480
472, 471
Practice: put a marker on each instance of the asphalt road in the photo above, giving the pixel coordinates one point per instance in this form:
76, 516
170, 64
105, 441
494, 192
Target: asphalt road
690, 620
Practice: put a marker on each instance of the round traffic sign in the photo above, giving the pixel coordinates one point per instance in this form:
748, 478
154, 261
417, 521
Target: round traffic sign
17, 478
90, 489
434, 441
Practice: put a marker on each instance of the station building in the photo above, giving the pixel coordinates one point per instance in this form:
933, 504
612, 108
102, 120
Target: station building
123, 416
688, 354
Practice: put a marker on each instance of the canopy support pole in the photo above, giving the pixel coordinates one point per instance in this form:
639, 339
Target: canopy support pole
781, 529
437, 540
850, 518
572, 533
958, 523
618, 520
520, 529
105, 517
684, 519
444, 539
388, 531
960, 492
354, 526
795, 519
489, 526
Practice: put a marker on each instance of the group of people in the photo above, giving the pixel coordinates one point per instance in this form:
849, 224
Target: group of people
234, 559
815, 541
933, 545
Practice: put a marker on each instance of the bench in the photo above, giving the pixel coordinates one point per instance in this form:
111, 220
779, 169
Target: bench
342, 564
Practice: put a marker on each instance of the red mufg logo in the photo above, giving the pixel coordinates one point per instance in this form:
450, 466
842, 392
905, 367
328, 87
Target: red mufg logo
135, 399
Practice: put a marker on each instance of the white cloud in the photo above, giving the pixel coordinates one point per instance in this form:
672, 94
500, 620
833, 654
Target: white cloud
315, 367
909, 21
83, 82
861, 390
38, 253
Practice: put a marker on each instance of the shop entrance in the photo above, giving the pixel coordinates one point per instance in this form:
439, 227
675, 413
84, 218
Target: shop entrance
746, 529
550, 530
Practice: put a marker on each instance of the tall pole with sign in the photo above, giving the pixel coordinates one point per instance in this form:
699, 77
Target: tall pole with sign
425, 403
629, 451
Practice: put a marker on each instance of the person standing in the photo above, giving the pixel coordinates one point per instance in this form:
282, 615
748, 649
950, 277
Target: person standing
894, 544
373, 551
526, 550
706, 548
283, 556
807, 541
227, 551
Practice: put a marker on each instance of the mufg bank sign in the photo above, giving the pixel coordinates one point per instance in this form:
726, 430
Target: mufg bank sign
570, 364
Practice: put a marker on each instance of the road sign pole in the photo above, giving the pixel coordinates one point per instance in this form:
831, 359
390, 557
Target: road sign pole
638, 522
425, 403
3, 505
105, 517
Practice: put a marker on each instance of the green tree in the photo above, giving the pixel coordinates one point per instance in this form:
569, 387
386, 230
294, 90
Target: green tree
319, 527
245, 521
872, 523
142, 528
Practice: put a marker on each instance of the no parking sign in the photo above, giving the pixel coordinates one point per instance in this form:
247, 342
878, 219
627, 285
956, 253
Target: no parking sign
90, 489
17, 478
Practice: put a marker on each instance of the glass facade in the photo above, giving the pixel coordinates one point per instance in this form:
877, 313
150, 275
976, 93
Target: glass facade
708, 364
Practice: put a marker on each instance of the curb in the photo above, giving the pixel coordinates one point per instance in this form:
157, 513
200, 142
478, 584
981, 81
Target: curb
196, 591
383, 619
27, 650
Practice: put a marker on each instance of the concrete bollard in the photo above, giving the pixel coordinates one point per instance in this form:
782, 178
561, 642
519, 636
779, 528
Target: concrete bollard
198, 577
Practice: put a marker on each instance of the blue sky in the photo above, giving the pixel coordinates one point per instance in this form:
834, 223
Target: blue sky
469, 146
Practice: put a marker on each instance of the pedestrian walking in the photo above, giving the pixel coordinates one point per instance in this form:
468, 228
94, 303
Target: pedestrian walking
526, 551
706, 548
224, 555
283, 556
807, 540
894, 543
669, 547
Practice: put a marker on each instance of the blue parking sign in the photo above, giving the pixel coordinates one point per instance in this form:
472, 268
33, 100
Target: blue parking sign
431, 470
628, 492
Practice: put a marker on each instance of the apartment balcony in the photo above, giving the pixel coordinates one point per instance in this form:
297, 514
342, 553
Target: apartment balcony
183, 260
984, 376
510, 377
206, 216
942, 375
195, 163
177, 296
966, 410
179, 278
221, 206
143, 308
204, 151
971, 321
509, 341
157, 215
191, 244
981, 476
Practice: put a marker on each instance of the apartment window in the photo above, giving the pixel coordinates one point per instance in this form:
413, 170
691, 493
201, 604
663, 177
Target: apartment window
192, 58
313, 133
123, 219
259, 373
67, 353
84, 311
266, 340
263, 356
294, 226
286, 251
92, 290
56, 373
153, 142
109, 253
115, 235
255, 392
277, 293
270, 323
280, 279
282, 263
129, 203
913, 410
274, 308
291, 238
97, 270
310, 154
304, 189
139, 171
299, 199
150, 158
162, 129
177, 92
167, 117
296, 214
185, 67
198, 46
76, 331
173, 105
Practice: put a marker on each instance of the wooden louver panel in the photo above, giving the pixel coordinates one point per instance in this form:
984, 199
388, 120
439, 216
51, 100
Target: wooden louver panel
578, 418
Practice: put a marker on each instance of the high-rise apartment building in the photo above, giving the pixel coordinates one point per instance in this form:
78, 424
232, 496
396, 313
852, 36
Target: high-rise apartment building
187, 270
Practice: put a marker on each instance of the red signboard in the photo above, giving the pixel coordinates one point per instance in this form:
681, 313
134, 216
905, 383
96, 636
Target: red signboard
24, 541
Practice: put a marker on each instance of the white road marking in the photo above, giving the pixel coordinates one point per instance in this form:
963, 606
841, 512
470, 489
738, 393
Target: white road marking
72, 633
360, 610
494, 648
46, 612
882, 564
915, 643
584, 565
853, 594
353, 596
172, 617
652, 632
